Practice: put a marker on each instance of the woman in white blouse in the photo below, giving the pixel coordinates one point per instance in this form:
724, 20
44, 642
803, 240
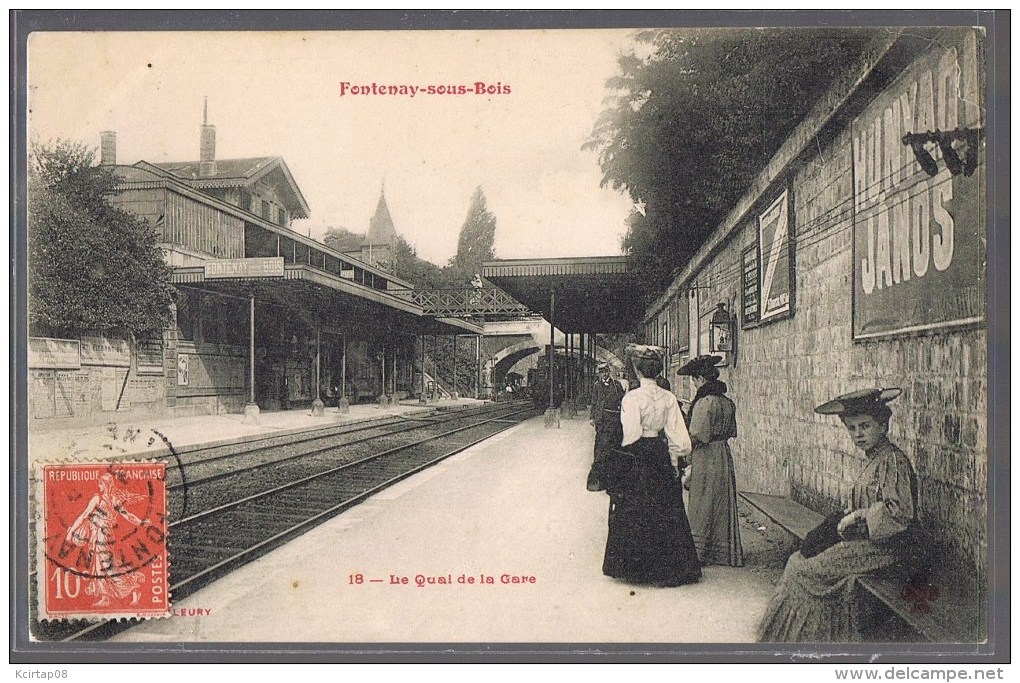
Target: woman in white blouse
649, 539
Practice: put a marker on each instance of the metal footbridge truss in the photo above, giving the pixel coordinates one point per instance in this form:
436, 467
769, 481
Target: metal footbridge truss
466, 302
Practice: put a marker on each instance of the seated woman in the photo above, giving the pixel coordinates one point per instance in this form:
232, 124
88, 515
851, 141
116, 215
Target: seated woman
817, 597
649, 540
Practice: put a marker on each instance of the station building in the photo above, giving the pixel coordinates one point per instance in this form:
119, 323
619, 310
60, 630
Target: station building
857, 259
254, 299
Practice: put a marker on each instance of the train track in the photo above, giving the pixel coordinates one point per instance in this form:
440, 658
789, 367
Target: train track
224, 517
278, 459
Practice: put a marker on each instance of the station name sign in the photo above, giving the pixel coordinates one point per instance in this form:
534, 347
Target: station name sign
244, 268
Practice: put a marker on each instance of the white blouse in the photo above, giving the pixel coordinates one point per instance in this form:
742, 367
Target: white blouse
649, 409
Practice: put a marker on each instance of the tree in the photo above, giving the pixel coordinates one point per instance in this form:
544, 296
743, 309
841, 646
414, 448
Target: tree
93, 267
475, 244
341, 239
694, 122
419, 272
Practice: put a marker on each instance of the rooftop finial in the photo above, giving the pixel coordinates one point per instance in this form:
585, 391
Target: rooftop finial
207, 145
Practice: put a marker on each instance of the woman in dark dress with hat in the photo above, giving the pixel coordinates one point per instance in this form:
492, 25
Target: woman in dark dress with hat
712, 482
817, 597
649, 539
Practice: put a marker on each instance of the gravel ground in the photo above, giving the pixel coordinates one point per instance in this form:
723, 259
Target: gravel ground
766, 546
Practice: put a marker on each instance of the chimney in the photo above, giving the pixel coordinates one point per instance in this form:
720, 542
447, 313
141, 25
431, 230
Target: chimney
207, 151
108, 148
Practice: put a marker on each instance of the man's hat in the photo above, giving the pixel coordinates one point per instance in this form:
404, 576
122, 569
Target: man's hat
858, 401
645, 351
602, 365
698, 366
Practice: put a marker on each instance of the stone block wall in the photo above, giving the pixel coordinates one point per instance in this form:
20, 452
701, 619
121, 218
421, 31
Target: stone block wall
782, 369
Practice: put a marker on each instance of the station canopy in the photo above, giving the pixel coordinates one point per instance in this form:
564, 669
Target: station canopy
335, 303
594, 294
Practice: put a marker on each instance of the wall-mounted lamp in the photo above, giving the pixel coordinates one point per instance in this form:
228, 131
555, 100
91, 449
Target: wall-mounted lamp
721, 330
966, 139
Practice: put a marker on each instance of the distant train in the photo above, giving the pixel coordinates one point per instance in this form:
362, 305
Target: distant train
538, 380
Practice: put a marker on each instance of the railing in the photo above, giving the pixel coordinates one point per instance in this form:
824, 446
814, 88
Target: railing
457, 303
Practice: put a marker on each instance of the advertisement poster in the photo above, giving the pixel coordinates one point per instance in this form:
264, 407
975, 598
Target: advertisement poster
776, 285
919, 239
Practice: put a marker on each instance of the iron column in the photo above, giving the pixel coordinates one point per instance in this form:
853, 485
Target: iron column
421, 396
251, 409
456, 394
317, 404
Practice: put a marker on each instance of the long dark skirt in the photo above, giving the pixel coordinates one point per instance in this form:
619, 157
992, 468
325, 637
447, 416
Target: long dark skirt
608, 435
649, 535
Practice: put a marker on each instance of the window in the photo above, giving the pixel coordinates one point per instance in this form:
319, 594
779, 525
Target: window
265, 210
282, 215
681, 330
288, 250
187, 319
246, 200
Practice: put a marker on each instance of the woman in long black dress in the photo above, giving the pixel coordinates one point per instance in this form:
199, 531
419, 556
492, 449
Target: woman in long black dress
649, 538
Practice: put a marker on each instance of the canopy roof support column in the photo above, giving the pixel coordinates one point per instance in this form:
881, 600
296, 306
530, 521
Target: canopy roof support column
251, 409
318, 407
343, 405
421, 394
552, 414
569, 379
456, 394
582, 370
383, 399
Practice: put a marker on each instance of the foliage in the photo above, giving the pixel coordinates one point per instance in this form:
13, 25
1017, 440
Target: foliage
693, 123
93, 267
475, 243
339, 238
474, 246
440, 363
419, 272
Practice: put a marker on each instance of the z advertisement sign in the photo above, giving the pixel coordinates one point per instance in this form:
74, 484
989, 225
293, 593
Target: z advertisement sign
774, 242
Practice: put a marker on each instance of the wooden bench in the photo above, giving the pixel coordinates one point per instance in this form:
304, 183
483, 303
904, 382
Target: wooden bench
943, 609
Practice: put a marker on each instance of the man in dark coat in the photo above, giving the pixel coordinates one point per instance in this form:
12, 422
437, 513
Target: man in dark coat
605, 415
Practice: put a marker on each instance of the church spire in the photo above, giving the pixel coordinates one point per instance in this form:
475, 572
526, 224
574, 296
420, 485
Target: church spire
380, 227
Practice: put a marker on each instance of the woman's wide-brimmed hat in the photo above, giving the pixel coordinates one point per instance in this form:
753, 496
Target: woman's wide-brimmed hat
645, 351
858, 401
698, 366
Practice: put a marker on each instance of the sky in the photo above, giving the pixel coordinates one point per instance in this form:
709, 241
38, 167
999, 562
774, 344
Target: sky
282, 94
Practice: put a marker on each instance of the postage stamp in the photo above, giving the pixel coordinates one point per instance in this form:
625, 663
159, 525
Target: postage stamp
102, 541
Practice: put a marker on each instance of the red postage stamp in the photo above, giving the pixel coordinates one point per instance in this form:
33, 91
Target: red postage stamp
102, 541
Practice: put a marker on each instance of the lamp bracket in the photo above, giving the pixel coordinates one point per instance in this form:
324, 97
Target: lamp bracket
971, 137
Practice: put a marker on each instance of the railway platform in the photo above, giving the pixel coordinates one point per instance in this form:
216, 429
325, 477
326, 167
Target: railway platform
133, 436
500, 543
